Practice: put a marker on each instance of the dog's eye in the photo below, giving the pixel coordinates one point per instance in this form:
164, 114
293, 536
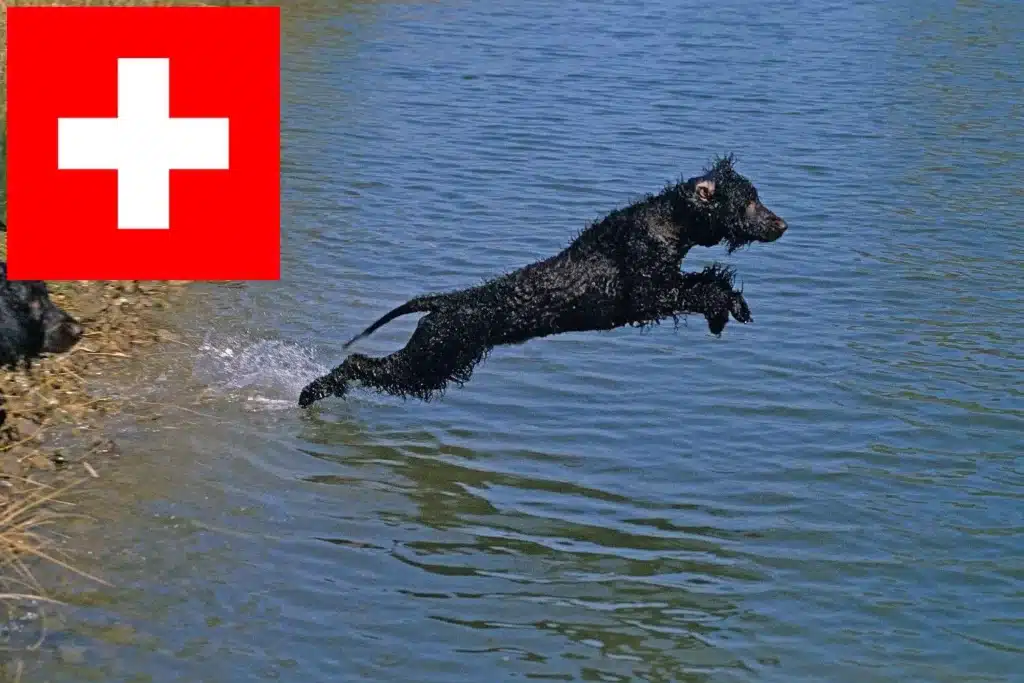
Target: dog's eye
705, 190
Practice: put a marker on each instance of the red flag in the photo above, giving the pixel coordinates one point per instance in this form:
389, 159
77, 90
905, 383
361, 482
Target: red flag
143, 143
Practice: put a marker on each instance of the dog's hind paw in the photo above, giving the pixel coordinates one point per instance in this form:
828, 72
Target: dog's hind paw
310, 394
318, 389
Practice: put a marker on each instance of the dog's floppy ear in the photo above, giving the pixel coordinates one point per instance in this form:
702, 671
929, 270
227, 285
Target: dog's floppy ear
705, 190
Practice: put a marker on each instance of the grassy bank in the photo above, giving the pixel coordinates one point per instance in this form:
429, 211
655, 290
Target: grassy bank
38, 472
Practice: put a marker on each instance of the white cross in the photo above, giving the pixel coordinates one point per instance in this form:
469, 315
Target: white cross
142, 144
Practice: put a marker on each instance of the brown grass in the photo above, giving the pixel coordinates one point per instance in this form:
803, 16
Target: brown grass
28, 522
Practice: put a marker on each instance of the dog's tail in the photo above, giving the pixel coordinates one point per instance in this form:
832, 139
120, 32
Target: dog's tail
420, 304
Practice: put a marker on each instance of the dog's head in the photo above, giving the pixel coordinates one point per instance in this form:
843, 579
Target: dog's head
722, 206
57, 329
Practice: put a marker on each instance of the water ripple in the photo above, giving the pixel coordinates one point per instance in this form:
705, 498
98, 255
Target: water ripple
830, 493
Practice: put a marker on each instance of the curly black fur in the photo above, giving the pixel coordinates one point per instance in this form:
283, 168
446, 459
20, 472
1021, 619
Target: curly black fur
622, 270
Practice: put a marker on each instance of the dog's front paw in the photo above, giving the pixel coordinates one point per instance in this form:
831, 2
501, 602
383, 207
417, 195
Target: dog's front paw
717, 322
739, 309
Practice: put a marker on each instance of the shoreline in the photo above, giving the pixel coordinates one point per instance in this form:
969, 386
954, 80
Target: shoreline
52, 441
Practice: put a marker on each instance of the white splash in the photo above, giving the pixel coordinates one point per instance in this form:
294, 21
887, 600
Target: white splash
267, 374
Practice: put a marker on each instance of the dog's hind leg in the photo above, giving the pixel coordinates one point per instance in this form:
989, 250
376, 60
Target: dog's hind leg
334, 383
710, 293
445, 347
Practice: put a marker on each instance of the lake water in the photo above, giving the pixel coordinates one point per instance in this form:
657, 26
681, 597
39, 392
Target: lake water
832, 493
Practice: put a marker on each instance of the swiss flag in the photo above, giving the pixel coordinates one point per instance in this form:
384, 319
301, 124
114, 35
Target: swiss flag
143, 143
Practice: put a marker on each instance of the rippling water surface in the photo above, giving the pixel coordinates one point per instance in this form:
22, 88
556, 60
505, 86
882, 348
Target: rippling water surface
833, 492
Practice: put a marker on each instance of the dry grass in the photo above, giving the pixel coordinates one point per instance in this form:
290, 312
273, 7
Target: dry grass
26, 531
29, 520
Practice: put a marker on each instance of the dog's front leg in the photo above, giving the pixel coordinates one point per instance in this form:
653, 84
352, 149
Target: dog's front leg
710, 293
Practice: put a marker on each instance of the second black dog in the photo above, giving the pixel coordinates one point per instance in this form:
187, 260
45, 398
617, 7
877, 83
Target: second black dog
30, 323
622, 270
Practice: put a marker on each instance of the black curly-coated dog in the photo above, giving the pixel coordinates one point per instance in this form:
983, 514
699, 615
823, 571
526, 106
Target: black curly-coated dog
31, 323
622, 270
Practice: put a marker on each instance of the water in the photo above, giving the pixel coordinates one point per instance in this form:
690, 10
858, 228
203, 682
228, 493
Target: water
831, 493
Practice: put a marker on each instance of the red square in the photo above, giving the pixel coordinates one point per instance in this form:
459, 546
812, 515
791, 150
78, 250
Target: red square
186, 100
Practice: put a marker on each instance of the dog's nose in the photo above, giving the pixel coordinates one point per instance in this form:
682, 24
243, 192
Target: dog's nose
780, 225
